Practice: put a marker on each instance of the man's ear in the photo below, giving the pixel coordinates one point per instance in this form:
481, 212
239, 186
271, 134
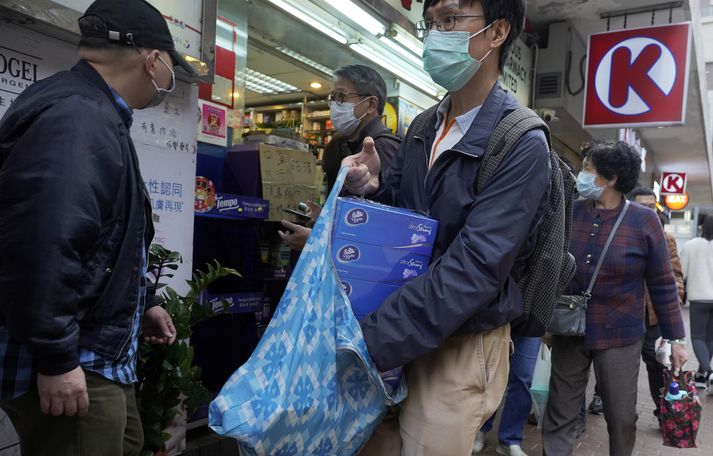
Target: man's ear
150, 62
500, 32
373, 105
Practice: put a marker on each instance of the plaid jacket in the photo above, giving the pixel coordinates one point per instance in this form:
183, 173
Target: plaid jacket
638, 256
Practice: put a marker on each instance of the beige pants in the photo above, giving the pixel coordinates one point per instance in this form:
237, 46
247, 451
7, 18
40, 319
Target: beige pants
451, 392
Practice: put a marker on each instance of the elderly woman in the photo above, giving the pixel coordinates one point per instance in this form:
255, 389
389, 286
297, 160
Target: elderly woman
637, 258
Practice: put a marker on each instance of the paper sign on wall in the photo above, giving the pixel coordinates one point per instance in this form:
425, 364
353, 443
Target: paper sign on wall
288, 177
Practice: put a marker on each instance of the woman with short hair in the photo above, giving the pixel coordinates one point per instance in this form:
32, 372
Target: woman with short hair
637, 258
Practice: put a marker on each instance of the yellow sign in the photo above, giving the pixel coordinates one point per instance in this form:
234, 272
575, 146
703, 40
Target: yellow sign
677, 202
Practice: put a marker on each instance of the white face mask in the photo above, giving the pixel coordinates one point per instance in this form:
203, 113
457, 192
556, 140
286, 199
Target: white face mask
159, 93
343, 118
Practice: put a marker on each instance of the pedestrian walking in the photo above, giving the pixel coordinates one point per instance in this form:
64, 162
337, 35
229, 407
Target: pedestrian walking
615, 315
450, 326
697, 262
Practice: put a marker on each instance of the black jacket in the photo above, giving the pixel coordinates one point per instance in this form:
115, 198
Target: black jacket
74, 215
385, 143
482, 241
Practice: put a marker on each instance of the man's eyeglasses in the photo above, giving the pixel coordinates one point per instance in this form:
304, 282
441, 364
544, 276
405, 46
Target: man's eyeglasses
445, 24
338, 97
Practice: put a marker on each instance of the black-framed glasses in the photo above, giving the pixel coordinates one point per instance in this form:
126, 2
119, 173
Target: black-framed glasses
445, 24
338, 97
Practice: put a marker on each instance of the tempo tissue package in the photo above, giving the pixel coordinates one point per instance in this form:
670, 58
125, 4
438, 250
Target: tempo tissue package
378, 248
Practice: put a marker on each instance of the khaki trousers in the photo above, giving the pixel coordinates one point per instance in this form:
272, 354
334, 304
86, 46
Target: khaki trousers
452, 391
111, 428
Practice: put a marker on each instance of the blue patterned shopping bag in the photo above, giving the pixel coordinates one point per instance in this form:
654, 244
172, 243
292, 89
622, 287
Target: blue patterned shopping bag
310, 387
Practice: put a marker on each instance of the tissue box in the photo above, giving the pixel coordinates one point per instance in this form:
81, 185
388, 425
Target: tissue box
373, 263
365, 297
373, 223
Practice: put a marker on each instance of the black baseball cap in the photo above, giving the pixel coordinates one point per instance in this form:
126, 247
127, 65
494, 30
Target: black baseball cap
133, 23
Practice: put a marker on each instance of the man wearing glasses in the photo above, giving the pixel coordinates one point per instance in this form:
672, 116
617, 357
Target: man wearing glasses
449, 328
356, 105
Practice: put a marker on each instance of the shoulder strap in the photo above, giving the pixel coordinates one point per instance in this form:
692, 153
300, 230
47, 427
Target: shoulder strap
606, 248
387, 135
506, 134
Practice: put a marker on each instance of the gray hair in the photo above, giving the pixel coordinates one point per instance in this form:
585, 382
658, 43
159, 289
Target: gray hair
366, 81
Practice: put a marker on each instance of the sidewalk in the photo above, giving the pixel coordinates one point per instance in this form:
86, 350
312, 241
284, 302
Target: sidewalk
594, 442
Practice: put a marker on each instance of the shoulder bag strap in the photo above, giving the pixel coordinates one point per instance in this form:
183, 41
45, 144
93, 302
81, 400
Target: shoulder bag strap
588, 294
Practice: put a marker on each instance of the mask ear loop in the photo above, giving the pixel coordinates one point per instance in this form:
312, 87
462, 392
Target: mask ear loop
362, 101
478, 33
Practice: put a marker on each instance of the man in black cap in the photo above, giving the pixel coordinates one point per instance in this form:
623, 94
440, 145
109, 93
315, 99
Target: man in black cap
75, 226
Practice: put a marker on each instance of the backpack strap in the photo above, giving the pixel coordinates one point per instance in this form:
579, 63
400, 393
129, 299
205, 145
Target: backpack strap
387, 135
504, 137
419, 122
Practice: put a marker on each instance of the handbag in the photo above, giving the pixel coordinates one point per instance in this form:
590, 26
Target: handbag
680, 419
540, 388
310, 387
569, 317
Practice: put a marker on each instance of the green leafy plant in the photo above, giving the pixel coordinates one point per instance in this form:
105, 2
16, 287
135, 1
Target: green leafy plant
168, 379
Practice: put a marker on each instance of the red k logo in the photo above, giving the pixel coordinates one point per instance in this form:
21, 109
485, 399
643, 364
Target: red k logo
630, 71
637, 77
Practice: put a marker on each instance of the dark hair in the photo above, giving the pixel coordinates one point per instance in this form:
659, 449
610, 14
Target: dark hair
366, 81
707, 231
641, 191
615, 159
94, 23
513, 11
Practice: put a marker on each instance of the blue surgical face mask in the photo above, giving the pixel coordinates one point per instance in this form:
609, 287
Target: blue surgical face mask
447, 60
586, 186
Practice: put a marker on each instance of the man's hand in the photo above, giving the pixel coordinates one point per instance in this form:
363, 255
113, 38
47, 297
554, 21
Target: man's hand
297, 239
158, 327
313, 211
64, 394
364, 169
679, 357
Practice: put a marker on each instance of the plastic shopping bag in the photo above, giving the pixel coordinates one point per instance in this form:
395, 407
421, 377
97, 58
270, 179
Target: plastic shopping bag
540, 389
681, 418
310, 387
663, 352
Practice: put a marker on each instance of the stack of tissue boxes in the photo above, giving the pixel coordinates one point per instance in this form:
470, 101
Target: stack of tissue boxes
378, 248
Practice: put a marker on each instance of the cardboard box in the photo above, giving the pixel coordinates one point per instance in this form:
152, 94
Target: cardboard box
373, 263
372, 223
365, 297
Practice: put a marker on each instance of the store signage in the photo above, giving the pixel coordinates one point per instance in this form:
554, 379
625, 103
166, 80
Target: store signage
677, 202
228, 206
213, 126
24, 60
673, 183
235, 302
638, 77
517, 74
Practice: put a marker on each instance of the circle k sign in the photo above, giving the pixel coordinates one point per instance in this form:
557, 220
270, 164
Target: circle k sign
638, 77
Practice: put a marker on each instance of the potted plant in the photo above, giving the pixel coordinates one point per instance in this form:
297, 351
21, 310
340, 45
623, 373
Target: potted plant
168, 381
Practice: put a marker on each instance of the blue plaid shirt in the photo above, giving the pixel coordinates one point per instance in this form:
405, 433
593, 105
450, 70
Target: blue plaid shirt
17, 367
